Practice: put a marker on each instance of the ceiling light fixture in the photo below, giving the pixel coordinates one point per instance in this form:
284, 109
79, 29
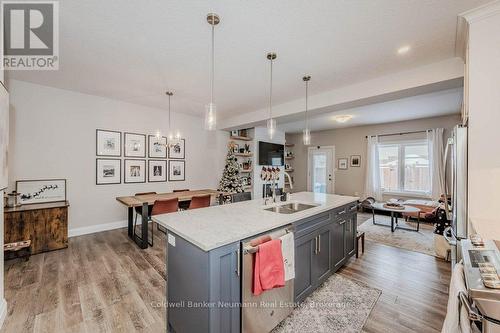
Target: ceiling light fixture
343, 118
306, 137
172, 140
403, 50
211, 109
271, 123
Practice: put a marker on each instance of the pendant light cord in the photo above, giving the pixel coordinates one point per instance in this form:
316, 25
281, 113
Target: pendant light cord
213, 66
271, 93
307, 95
169, 121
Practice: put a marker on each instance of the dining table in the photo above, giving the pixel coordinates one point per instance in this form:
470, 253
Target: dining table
146, 200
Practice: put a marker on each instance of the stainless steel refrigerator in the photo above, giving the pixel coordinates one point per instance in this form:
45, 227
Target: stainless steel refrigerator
456, 186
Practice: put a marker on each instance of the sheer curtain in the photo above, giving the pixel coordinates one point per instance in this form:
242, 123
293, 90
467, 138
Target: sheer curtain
372, 179
436, 159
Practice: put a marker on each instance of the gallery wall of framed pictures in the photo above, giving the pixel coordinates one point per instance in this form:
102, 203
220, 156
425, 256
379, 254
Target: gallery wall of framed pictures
146, 158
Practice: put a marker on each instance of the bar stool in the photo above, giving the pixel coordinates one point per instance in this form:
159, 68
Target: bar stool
200, 201
162, 207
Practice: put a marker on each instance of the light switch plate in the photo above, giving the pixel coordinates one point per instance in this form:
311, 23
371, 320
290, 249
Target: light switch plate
171, 239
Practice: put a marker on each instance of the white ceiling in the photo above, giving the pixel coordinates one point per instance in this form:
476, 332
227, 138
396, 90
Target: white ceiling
134, 51
434, 104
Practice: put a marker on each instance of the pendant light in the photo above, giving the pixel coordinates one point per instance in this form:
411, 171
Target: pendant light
271, 123
306, 137
211, 109
172, 139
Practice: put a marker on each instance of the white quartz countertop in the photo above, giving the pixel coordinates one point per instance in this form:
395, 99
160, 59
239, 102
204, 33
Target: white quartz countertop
216, 226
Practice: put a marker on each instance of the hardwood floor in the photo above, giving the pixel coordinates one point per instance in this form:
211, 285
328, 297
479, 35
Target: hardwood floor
104, 283
414, 288
101, 283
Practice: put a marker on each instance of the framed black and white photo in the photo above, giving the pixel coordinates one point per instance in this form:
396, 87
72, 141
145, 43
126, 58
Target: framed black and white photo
41, 190
135, 145
177, 150
234, 133
135, 171
176, 171
343, 162
355, 160
157, 146
108, 171
157, 171
236, 148
108, 143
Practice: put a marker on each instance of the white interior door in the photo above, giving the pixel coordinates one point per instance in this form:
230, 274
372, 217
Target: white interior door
320, 175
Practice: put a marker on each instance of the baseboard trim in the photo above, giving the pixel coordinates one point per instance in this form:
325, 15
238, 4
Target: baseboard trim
92, 229
3, 311
98, 228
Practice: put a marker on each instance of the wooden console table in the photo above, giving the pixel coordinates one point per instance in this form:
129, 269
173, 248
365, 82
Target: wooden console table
46, 225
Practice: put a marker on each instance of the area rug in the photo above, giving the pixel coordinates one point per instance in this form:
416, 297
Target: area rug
339, 305
422, 241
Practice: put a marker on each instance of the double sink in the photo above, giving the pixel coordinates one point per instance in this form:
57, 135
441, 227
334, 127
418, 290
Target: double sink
290, 208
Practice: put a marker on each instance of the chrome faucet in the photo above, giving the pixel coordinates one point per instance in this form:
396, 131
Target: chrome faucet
273, 191
289, 180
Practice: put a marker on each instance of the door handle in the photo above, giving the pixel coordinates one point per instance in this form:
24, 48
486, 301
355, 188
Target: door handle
343, 221
319, 243
238, 263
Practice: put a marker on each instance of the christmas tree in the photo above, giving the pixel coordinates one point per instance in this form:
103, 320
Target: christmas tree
230, 181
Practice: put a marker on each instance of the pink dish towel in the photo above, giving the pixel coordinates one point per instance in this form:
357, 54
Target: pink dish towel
269, 270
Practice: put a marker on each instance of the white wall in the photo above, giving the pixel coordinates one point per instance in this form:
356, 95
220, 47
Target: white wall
484, 118
53, 136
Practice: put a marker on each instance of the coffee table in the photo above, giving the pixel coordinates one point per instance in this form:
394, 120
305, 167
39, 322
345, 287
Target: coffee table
394, 216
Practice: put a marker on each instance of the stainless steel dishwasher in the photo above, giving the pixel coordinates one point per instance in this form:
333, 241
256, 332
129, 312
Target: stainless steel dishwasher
262, 313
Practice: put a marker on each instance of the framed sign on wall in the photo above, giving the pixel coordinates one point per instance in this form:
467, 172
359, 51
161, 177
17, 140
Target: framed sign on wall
41, 190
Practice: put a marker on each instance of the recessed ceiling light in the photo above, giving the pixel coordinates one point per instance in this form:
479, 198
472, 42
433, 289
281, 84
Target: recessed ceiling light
342, 118
403, 49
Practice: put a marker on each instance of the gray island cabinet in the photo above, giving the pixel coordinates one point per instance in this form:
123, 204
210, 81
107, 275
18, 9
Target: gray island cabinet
204, 282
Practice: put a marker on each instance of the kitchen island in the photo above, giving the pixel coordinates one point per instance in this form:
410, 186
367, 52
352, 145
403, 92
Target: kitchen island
204, 254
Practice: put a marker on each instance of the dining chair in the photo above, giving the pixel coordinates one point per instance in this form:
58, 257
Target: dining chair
242, 196
183, 205
200, 201
138, 210
162, 207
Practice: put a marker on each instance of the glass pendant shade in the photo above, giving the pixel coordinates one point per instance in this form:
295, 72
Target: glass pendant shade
306, 137
210, 117
158, 134
271, 127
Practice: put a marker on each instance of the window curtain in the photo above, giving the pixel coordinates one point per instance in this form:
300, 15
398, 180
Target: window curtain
436, 159
372, 179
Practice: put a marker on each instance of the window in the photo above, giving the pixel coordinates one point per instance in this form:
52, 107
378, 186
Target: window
404, 167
